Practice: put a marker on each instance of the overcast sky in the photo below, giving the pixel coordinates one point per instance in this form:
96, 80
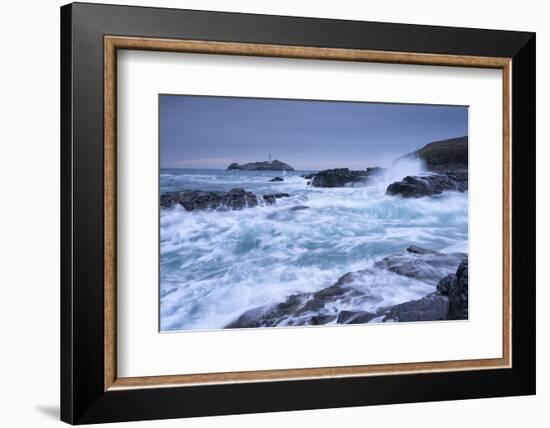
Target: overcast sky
212, 132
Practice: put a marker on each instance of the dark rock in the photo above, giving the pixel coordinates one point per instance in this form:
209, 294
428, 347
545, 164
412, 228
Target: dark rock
375, 171
322, 319
337, 177
250, 319
419, 250
458, 294
340, 177
308, 183
444, 155
333, 178
432, 307
299, 208
353, 290
298, 309
308, 176
272, 197
345, 316
425, 266
429, 185
268, 316
444, 286
353, 287
449, 302
358, 317
275, 165
460, 178
277, 179
343, 291
235, 199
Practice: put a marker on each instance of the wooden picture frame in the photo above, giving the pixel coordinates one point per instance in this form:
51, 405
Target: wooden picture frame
91, 390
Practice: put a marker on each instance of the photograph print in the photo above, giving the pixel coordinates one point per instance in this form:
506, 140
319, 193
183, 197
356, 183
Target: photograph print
283, 213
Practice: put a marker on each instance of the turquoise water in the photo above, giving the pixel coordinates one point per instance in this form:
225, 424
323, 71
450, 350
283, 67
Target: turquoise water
215, 265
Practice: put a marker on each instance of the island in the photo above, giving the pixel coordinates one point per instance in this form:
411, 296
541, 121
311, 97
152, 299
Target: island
274, 165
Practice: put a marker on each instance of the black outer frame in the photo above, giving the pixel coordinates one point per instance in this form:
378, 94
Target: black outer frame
83, 399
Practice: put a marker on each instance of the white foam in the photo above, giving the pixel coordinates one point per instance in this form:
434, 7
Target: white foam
216, 265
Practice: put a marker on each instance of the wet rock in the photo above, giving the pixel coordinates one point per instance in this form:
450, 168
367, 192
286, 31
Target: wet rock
448, 302
375, 171
353, 290
338, 177
345, 316
429, 185
308, 176
299, 208
235, 199
419, 250
272, 197
268, 316
458, 294
277, 179
428, 266
355, 317
432, 307
444, 286
322, 319
275, 165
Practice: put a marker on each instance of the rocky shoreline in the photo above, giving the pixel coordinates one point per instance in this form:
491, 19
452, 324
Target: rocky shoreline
340, 177
448, 301
429, 185
355, 297
235, 199
447, 161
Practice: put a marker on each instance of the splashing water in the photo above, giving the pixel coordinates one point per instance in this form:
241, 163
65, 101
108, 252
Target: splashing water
215, 265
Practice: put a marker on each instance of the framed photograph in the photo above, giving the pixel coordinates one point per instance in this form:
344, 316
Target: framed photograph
265, 213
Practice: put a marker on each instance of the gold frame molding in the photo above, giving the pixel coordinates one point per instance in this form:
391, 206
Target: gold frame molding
113, 43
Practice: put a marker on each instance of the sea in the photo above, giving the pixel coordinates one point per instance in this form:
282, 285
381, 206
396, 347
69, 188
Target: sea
216, 265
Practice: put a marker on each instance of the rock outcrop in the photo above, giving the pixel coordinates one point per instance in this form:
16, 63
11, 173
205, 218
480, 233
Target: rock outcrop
272, 197
444, 155
448, 302
426, 265
355, 317
458, 294
275, 179
336, 177
432, 307
268, 316
353, 289
235, 199
447, 159
340, 177
429, 185
275, 165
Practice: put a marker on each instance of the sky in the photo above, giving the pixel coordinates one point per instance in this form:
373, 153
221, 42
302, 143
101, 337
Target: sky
212, 132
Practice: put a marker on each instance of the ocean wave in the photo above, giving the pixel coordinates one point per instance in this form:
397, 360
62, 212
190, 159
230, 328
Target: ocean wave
215, 265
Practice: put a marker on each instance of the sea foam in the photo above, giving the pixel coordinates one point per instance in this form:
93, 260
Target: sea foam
215, 265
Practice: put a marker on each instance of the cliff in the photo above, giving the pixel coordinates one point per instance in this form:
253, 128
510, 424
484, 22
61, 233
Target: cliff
442, 155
